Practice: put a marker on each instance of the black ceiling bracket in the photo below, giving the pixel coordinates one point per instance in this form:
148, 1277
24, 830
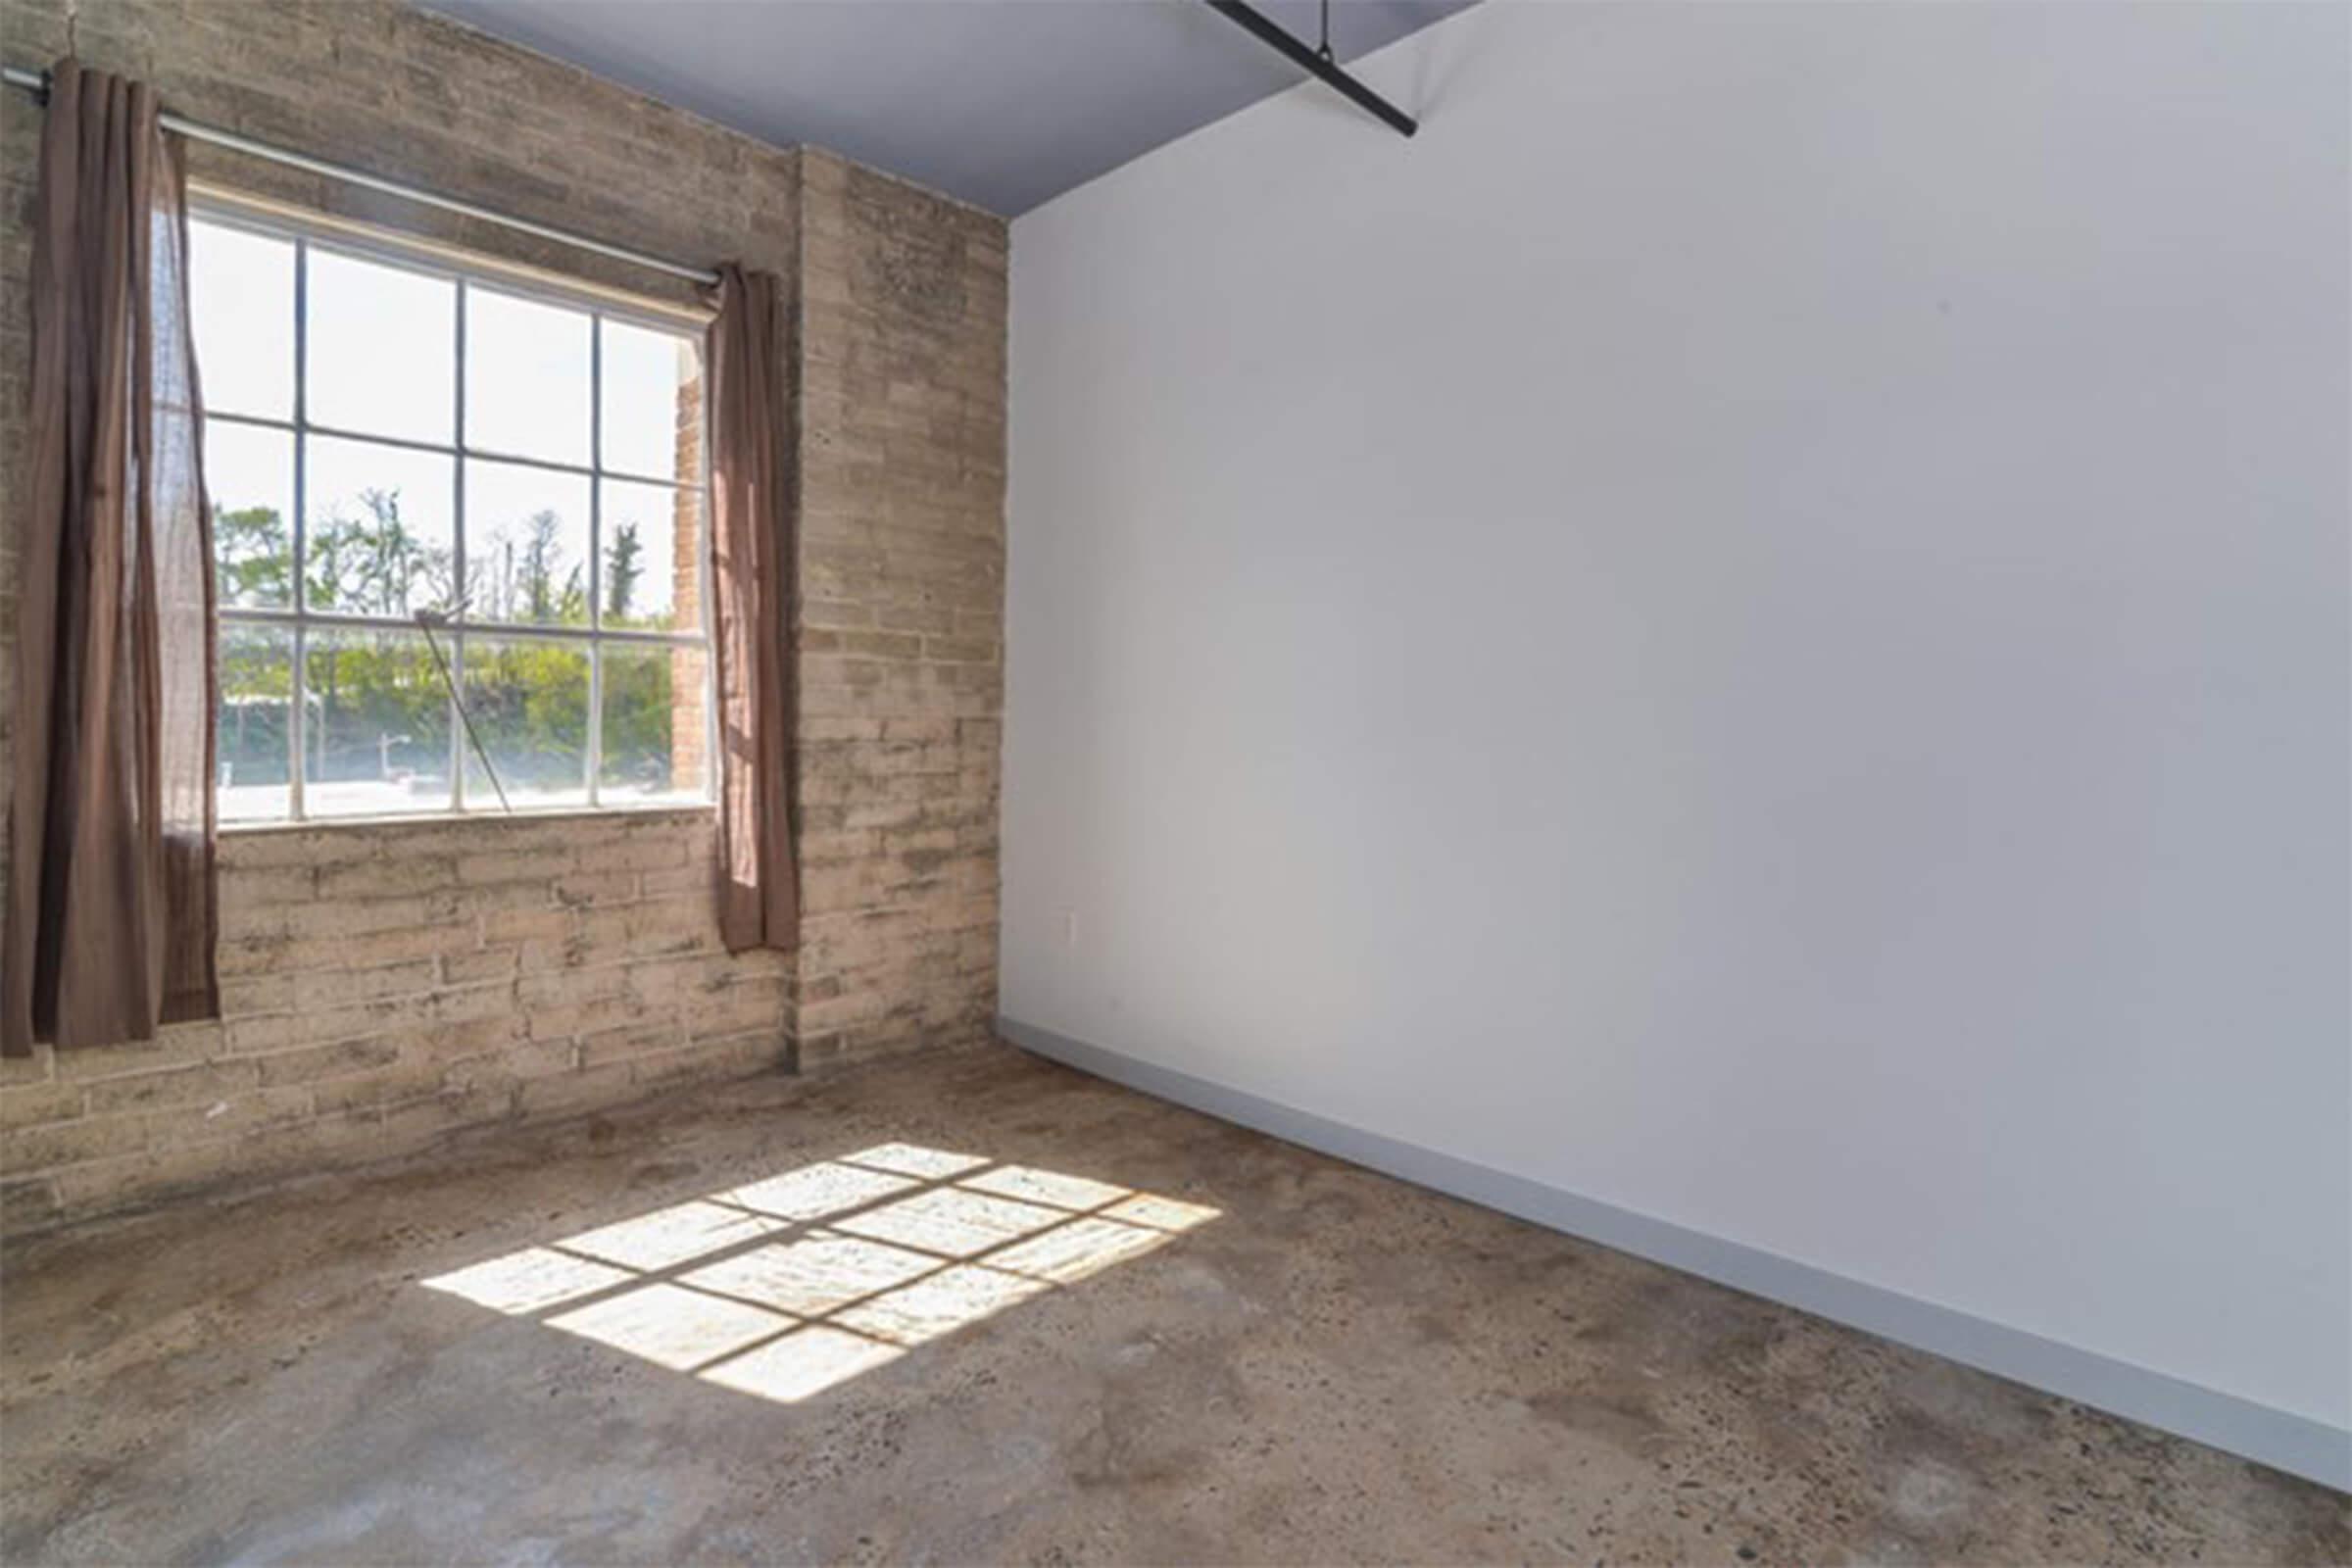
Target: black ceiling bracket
1316, 64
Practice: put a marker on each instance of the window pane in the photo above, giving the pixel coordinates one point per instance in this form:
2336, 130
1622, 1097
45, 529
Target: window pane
526, 378
249, 477
241, 295
653, 402
382, 347
256, 684
376, 741
655, 735
378, 525
528, 697
527, 544
652, 557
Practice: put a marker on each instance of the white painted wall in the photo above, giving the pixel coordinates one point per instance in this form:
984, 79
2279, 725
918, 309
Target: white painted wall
1755, 626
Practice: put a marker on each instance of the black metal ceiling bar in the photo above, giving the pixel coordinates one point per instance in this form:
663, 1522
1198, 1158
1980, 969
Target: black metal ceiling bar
1314, 65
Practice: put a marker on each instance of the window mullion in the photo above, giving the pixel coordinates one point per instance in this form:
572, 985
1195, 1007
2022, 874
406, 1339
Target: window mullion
297, 728
297, 675
595, 759
460, 589
457, 722
596, 556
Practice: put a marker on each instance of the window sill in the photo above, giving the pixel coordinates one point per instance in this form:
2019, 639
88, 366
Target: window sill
551, 814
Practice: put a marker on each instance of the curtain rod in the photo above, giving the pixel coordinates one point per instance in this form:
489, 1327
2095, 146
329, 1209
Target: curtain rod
36, 82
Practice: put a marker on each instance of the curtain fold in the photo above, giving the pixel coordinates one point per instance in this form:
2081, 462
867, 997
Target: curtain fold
751, 604
111, 910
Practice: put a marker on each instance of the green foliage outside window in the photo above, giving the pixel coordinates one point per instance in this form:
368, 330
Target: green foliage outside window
375, 704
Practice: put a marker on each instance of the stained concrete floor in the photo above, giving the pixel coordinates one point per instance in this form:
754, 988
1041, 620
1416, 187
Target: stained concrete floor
1333, 1367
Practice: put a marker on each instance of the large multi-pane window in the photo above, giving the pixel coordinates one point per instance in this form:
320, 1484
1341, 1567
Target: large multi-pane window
458, 526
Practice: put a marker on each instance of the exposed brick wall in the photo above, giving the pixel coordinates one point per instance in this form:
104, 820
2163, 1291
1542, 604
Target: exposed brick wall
387, 983
382, 984
901, 481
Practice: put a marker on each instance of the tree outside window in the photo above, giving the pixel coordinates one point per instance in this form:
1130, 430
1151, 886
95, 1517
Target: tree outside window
423, 480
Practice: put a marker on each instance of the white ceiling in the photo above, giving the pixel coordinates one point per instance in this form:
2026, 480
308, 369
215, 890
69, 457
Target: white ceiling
1003, 103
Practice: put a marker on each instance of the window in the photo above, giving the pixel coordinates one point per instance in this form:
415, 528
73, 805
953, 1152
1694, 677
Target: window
429, 478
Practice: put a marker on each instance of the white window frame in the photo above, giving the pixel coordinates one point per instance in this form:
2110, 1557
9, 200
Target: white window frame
308, 234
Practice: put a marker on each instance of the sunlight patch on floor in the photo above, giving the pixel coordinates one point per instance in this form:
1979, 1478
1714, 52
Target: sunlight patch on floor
673, 1327
1044, 1187
907, 1159
747, 1289
815, 1190
794, 1367
813, 1276
1072, 1251
937, 1304
672, 1234
532, 1279
951, 1222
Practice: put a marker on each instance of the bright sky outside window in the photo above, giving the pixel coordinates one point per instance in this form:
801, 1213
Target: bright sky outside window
387, 437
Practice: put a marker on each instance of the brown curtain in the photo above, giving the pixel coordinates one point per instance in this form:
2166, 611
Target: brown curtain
752, 537
111, 906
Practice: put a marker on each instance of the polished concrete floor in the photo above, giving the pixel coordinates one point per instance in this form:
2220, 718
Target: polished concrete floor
975, 1308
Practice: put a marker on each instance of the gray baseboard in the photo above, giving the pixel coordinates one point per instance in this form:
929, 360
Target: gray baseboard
2278, 1438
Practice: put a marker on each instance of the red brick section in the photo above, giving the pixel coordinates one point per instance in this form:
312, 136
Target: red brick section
387, 984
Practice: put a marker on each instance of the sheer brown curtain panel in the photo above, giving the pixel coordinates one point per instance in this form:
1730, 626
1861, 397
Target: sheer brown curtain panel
752, 548
111, 896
